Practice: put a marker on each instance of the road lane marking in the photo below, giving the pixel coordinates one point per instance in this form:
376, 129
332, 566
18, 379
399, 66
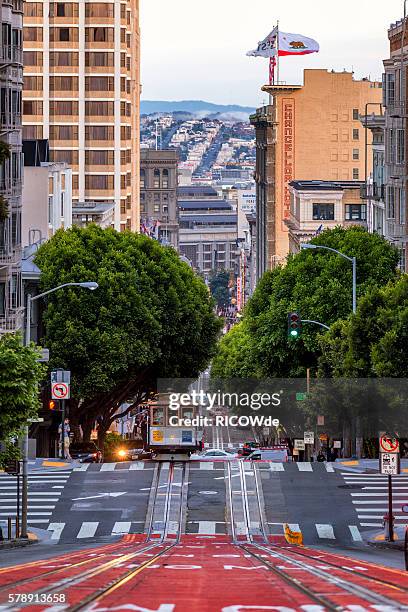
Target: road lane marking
206, 465
355, 534
121, 527
371, 524
325, 531
57, 529
304, 466
207, 527
82, 468
329, 467
88, 529
108, 467
276, 467
137, 465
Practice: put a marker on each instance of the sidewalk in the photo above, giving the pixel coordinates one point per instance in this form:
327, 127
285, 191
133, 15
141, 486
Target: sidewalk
19, 543
378, 539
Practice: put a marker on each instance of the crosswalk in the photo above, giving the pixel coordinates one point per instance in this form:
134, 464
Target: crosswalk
369, 493
44, 492
92, 529
120, 466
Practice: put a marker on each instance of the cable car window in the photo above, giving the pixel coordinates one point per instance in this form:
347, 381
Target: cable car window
158, 416
187, 413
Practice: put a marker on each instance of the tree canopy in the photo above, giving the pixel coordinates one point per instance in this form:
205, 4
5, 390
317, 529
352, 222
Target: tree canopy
20, 375
219, 288
318, 285
150, 318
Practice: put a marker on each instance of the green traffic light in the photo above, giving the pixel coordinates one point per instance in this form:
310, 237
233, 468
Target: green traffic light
294, 333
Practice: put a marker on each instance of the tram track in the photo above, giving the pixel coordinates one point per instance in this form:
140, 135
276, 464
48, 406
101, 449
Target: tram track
241, 506
162, 537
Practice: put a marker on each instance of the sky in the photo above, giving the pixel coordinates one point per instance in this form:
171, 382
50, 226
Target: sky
196, 49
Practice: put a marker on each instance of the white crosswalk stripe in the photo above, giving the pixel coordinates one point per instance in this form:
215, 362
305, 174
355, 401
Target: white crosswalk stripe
121, 527
88, 529
57, 529
305, 466
325, 531
41, 503
370, 497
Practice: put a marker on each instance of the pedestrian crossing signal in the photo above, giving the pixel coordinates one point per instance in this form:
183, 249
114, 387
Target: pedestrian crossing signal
294, 325
52, 405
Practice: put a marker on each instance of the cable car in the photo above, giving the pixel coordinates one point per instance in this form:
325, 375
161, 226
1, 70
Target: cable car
171, 433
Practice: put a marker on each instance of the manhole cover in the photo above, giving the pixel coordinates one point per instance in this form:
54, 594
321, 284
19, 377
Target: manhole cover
349, 486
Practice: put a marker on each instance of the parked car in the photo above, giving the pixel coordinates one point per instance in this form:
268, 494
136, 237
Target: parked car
210, 454
279, 455
85, 452
132, 454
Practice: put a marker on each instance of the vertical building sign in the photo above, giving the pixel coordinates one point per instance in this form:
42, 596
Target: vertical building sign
288, 151
239, 293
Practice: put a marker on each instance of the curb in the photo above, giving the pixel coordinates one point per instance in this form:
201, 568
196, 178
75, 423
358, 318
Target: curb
387, 545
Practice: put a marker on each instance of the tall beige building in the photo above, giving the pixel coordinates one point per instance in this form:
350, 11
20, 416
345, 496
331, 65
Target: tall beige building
309, 132
82, 92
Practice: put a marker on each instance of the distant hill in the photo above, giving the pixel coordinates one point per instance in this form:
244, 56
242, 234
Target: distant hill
196, 107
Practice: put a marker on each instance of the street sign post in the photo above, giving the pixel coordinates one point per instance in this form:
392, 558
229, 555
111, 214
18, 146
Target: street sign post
308, 437
300, 445
390, 465
61, 390
389, 445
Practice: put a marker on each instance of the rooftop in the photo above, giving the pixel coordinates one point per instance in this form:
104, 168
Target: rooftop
325, 185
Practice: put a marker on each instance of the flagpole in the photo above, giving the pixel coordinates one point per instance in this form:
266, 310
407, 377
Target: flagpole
277, 55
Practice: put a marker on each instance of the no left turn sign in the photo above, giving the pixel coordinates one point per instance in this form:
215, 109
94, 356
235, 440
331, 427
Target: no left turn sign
60, 391
389, 445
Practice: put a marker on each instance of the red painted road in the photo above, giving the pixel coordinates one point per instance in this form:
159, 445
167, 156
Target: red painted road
205, 574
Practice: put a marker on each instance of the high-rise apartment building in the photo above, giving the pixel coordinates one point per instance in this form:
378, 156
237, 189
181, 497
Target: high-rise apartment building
82, 92
309, 132
11, 165
395, 136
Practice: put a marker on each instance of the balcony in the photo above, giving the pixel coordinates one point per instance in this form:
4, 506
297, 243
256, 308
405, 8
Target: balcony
12, 320
9, 185
395, 231
378, 191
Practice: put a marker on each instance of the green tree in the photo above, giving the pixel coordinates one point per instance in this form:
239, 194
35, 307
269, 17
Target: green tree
20, 376
150, 318
318, 285
219, 287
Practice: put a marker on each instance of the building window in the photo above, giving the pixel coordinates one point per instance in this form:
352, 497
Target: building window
64, 34
356, 212
101, 59
390, 88
391, 202
356, 154
356, 174
355, 114
165, 183
356, 134
400, 146
142, 179
156, 208
156, 198
60, 9
99, 83
323, 212
402, 206
156, 182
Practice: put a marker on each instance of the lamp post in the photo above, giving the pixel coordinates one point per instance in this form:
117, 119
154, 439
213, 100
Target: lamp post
30, 299
309, 245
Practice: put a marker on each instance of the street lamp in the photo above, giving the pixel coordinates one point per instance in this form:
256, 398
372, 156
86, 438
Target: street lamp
309, 245
24, 494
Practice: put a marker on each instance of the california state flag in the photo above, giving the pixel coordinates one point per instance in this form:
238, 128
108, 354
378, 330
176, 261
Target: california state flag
296, 44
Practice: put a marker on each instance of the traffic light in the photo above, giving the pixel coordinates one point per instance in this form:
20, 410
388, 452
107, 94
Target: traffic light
53, 405
294, 325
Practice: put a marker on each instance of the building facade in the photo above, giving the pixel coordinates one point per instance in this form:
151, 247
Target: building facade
374, 192
309, 132
158, 194
11, 165
320, 205
82, 93
208, 232
396, 170
47, 197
